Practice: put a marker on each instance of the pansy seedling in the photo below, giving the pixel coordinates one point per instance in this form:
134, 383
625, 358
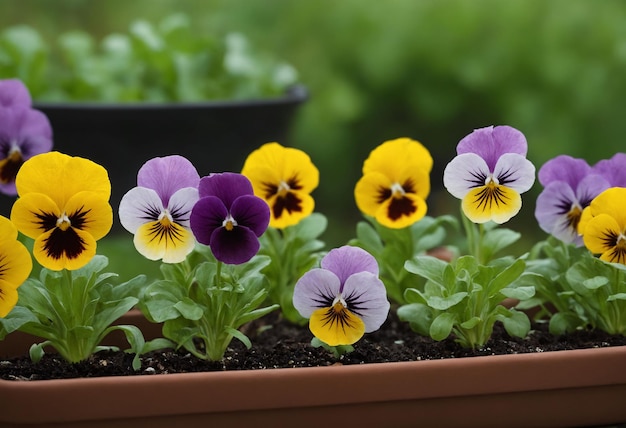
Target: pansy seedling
344, 298
489, 174
157, 211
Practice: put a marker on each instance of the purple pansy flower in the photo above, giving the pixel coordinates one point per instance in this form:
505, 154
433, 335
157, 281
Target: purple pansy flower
344, 298
569, 184
229, 218
24, 132
489, 173
157, 211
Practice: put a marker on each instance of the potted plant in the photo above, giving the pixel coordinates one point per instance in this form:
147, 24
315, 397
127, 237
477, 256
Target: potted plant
231, 253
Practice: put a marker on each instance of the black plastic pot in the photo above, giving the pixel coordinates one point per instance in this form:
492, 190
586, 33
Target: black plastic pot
215, 136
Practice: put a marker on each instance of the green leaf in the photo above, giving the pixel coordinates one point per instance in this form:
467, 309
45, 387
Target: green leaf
471, 323
520, 293
507, 276
516, 324
36, 351
189, 309
618, 296
443, 303
239, 335
596, 282
561, 323
427, 267
441, 326
419, 317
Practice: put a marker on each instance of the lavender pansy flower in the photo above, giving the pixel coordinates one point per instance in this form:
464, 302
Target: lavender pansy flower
157, 211
24, 132
344, 298
489, 173
229, 218
569, 184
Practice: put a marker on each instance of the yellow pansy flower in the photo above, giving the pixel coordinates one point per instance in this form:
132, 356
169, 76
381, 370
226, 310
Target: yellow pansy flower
64, 206
284, 177
395, 183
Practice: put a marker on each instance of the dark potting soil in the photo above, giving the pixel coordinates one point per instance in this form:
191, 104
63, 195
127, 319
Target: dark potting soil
281, 345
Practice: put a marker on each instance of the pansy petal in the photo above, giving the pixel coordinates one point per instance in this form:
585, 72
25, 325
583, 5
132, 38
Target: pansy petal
613, 169
601, 232
252, 212
348, 260
590, 187
60, 176
34, 213
515, 171
166, 175
491, 203
8, 298
227, 186
89, 212
492, 142
400, 212
611, 202
464, 173
181, 204
170, 243
15, 261
370, 192
316, 289
557, 212
392, 157
366, 296
564, 168
336, 326
273, 163
14, 93
70, 249
234, 246
207, 215
139, 206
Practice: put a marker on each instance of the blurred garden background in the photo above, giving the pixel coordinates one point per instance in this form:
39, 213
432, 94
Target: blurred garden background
432, 70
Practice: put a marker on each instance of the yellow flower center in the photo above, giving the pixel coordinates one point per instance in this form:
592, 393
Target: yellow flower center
229, 223
573, 217
64, 222
397, 191
283, 189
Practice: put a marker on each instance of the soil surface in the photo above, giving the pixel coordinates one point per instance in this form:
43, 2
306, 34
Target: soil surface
280, 345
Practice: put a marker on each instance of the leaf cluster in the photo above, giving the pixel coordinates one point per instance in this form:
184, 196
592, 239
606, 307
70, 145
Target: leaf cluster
464, 298
75, 310
157, 63
578, 290
202, 303
393, 247
293, 251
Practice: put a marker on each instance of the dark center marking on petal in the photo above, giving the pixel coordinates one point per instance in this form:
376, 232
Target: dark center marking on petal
491, 194
478, 179
10, 166
337, 316
166, 230
62, 242
289, 202
616, 246
400, 206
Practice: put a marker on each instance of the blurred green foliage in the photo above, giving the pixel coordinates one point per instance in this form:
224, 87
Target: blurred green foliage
433, 70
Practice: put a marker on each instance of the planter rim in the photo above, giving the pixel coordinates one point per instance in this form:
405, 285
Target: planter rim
233, 391
296, 94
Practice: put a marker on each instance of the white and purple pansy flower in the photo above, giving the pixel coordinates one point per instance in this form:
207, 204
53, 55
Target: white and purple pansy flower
344, 298
570, 185
229, 218
489, 174
157, 211
24, 132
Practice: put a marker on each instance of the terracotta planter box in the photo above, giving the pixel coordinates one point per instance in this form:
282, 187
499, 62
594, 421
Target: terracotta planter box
564, 388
